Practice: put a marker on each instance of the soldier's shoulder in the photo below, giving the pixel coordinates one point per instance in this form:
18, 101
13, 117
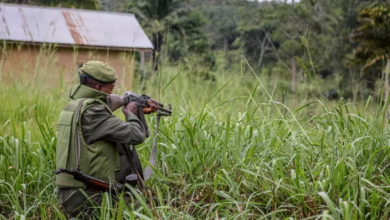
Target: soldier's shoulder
95, 109
98, 108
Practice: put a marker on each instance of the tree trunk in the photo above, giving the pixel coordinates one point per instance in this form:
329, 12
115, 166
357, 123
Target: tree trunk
293, 78
262, 50
154, 53
362, 87
157, 40
352, 84
142, 63
225, 47
387, 70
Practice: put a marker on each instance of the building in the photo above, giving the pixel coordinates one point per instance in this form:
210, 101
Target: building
46, 42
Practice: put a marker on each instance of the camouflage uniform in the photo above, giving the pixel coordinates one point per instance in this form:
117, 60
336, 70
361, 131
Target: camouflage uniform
100, 132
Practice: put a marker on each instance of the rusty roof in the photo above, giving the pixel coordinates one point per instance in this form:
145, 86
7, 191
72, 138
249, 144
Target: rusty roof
62, 26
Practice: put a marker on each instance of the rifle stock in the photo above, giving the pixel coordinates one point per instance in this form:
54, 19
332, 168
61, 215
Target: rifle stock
99, 185
89, 181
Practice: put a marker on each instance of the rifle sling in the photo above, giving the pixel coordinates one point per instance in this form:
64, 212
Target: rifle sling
141, 116
77, 145
133, 166
152, 160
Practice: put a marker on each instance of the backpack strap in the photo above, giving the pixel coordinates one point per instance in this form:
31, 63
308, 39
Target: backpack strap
77, 144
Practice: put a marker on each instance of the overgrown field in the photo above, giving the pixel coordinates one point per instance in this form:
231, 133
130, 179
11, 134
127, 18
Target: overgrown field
236, 148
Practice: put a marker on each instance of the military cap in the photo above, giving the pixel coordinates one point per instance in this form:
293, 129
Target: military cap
99, 71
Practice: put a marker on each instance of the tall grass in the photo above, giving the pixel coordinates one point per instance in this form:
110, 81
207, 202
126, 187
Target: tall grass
235, 148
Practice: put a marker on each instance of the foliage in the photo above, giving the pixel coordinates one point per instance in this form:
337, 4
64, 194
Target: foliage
222, 24
237, 146
373, 34
231, 150
169, 20
267, 33
86, 4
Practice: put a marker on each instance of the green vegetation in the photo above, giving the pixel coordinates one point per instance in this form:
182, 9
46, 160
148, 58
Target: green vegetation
85, 4
231, 150
348, 38
295, 128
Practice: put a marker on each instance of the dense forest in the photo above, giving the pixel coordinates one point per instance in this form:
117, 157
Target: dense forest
344, 40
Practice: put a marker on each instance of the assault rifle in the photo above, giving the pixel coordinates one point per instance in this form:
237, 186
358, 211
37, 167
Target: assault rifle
115, 101
91, 182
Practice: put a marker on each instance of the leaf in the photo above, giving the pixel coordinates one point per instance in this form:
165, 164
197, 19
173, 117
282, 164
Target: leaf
216, 93
304, 66
304, 106
173, 78
330, 205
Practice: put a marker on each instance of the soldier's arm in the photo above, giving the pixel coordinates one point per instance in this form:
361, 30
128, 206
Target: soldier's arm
98, 124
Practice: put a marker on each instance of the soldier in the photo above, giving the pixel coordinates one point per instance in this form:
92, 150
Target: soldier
88, 135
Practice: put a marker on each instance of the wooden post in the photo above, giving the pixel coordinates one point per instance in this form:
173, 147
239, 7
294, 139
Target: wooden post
142, 60
293, 79
386, 85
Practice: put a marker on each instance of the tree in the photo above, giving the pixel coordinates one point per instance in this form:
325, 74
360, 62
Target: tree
374, 38
156, 17
292, 20
187, 36
270, 33
331, 45
160, 17
85, 4
222, 23
255, 24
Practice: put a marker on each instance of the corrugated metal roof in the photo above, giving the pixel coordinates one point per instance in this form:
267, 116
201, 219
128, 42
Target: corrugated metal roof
71, 26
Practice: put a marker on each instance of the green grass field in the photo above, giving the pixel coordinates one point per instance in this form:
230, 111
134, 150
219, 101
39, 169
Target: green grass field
237, 147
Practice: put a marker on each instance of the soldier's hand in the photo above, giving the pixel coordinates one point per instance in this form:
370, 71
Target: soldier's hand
132, 107
153, 107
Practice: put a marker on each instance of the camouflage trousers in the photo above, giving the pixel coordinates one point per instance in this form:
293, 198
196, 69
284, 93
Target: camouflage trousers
75, 204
